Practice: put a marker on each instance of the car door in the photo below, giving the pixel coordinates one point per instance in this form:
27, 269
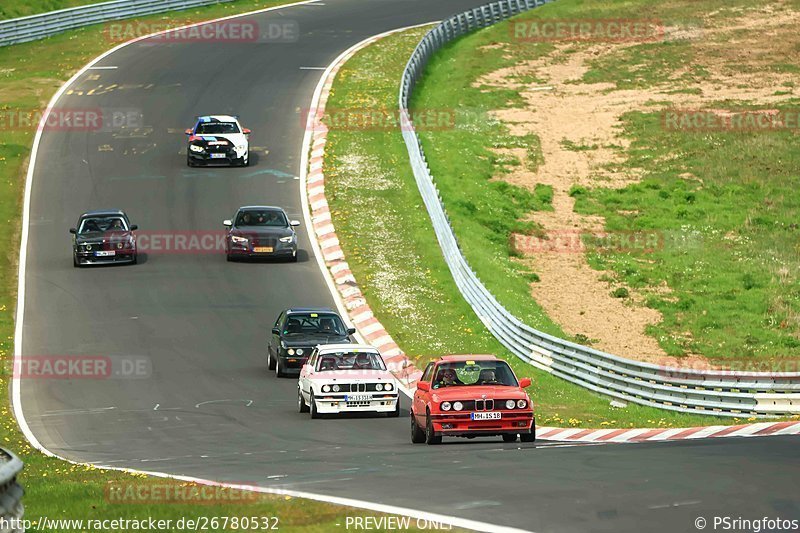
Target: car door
306, 372
421, 398
275, 340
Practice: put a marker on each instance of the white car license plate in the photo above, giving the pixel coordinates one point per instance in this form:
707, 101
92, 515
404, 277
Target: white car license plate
105, 253
217, 156
487, 416
357, 398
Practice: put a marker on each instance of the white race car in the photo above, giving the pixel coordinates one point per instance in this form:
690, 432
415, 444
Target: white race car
346, 378
216, 139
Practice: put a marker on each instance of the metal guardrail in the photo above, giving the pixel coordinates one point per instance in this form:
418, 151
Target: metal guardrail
43, 25
11, 508
701, 392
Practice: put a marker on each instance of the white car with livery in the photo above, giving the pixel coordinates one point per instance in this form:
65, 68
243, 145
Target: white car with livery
346, 378
218, 139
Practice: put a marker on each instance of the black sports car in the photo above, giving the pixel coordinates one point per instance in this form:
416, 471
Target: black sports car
297, 331
261, 231
103, 237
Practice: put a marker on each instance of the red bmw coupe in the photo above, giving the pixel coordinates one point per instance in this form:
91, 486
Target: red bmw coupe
471, 396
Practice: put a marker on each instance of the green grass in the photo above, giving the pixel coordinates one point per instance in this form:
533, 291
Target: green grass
386, 234
10, 9
29, 75
730, 254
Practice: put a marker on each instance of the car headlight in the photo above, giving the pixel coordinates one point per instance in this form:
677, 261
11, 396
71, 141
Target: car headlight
196, 148
445, 406
290, 238
299, 351
522, 404
238, 240
378, 387
336, 388
241, 147
119, 246
458, 406
290, 351
388, 386
326, 388
510, 404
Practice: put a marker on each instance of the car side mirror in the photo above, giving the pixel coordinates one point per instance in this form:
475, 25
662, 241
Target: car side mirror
134, 227
276, 331
294, 222
525, 382
423, 385
188, 131
73, 231
246, 131
351, 331
227, 223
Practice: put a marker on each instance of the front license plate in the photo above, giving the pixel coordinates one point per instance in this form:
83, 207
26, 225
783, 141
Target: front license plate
487, 416
262, 249
357, 398
217, 156
104, 253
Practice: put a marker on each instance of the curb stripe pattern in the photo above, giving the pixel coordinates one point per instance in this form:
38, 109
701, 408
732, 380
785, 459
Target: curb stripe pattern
358, 309
400, 365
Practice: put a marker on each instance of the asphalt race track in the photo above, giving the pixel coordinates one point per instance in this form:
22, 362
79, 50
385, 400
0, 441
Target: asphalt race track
210, 408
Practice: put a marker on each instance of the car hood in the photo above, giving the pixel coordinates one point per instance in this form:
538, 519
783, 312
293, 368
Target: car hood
263, 231
476, 392
237, 139
313, 340
352, 376
100, 237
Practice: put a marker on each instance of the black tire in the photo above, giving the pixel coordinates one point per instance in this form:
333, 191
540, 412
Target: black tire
135, 259
509, 437
417, 434
279, 368
189, 162
528, 437
293, 258
75, 262
301, 404
430, 436
396, 412
313, 407
270, 361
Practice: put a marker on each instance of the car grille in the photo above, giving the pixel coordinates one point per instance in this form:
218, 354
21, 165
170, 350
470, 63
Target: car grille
263, 241
358, 387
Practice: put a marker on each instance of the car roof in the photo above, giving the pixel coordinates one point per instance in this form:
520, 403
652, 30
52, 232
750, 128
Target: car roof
310, 310
217, 118
460, 358
347, 347
275, 207
98, 212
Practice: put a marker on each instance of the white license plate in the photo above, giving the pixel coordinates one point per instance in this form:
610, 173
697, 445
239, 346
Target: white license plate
104, 253
487, 416
217, 156
357, 398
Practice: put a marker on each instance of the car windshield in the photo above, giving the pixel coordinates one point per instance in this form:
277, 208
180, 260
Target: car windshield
210, 128
350, 361
261, 217
102, 224
314, 324
469, 373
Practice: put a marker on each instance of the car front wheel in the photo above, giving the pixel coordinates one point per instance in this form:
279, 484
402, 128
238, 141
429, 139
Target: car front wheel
279, 368
528, 437
509, 437
396, 412
430, 435
313, 407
